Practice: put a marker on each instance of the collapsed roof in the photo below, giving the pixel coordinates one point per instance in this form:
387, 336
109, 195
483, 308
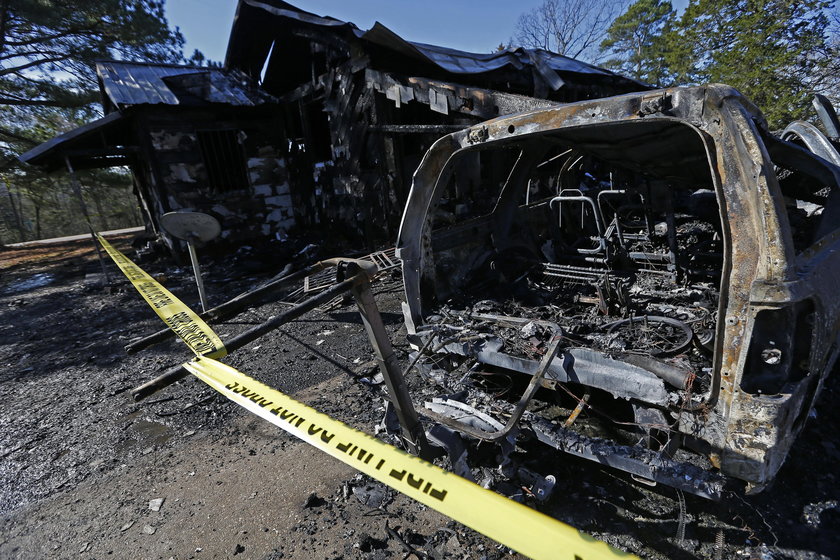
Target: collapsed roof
124, 85
274, 36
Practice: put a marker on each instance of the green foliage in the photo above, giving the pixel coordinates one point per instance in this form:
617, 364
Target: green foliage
768, 49
777, 52
34, 204
44, 206
48, 47
48, 85
635, 40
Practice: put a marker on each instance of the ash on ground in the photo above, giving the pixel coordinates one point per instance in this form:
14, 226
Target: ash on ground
81, 462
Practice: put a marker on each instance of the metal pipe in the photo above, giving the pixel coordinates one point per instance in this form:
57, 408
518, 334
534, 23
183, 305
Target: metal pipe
668, 373
599, 220
241, 301
178, 372
518, 411
202, 296
415, 437
671, 221
651, 257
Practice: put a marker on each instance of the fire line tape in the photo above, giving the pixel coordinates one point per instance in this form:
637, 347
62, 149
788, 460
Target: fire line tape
521, 528
187, 325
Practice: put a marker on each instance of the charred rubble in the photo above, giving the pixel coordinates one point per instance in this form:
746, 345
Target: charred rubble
641, 278
623, 267
645, 281
588, 277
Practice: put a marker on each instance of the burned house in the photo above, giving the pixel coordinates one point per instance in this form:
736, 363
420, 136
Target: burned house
200, 139
361, 107
312, 122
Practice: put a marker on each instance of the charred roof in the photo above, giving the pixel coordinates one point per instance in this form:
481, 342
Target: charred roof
125, 84
278, 37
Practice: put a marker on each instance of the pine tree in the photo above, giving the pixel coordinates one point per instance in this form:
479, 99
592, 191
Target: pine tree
48, 50
635, 40
48, 47
770, 50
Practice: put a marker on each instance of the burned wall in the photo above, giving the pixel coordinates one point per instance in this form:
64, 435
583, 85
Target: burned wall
356, 135
361, 109
230, 166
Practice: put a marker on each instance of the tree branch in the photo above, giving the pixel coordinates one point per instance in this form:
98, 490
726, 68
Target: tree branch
32, 64
76, 32
18, 137
38, 103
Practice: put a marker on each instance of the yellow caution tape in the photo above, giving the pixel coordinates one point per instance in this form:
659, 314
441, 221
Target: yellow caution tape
187, 325
525, 530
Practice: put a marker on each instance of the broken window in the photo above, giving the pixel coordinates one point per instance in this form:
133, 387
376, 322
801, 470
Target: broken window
224, 159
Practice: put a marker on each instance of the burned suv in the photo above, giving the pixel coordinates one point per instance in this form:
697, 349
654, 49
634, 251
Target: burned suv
658, 260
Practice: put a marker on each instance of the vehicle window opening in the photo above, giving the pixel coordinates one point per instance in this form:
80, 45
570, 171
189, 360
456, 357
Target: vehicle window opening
806, 186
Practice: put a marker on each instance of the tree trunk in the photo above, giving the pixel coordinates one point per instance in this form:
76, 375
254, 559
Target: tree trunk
38, 221
4, 17
16, 214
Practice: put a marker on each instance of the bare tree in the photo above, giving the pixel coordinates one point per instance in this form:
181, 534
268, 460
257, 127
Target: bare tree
573, 28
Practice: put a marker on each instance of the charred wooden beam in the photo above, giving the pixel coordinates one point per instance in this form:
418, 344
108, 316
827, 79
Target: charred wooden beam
438, 129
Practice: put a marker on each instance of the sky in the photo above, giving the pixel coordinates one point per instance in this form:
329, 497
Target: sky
475, 26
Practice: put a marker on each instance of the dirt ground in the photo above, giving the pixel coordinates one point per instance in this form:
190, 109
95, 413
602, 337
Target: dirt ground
83, 467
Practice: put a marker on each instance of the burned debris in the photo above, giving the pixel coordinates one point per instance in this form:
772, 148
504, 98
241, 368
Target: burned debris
650, 241
642, 280
311, 124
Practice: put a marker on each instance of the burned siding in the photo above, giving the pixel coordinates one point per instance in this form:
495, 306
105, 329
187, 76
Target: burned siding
229, 168
361, 108
354, 151
199, 139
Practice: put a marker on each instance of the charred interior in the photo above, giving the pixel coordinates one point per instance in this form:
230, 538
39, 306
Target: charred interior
607, 239
604, 236
637, 281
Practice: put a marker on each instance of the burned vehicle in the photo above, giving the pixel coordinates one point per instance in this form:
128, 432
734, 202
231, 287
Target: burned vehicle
658, 259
